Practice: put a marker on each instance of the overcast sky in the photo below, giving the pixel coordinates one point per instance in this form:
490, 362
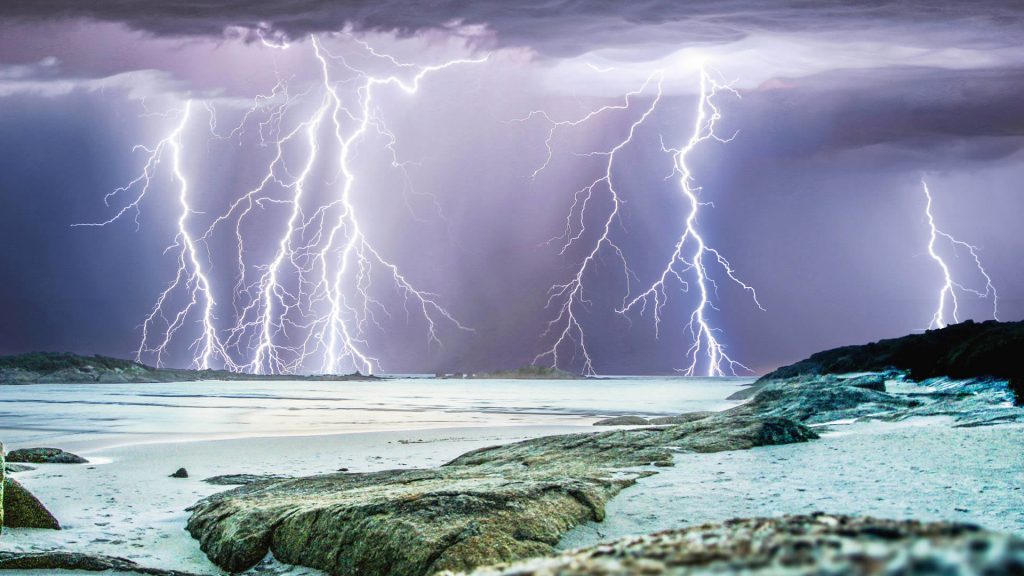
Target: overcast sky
839, 111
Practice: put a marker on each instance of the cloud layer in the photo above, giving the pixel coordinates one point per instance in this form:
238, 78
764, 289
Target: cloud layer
563, 27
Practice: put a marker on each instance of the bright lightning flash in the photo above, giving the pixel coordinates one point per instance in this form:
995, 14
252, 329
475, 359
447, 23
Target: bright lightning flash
948, 299
689, 262
309, 306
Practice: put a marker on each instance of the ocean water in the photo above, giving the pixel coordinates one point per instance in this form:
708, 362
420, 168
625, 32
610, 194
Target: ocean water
89, 416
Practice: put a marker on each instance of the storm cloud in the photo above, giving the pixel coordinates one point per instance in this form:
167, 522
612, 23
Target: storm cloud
560, 28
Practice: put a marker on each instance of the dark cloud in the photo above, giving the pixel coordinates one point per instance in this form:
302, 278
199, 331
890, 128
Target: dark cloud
974, 115
556, 27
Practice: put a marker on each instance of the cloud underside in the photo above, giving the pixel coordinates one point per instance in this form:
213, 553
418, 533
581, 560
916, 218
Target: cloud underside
558, 28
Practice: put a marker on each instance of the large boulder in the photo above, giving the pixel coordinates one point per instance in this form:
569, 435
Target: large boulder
490, 505
814, 544
23, 510
45, 456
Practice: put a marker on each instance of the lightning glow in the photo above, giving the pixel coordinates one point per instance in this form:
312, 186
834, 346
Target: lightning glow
948, 299
309, 306
690, 261
569, 298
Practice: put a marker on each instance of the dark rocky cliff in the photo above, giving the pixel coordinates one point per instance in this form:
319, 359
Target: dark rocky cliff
966, 350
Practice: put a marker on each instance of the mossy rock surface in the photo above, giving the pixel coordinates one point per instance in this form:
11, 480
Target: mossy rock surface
60, 560
811, 544
490, 505
45, 456
23, 510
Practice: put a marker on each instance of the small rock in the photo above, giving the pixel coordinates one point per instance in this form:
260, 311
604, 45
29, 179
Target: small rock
23, 510
14, 468
180, 473
623, 421
681, 419
45, 456
242, 479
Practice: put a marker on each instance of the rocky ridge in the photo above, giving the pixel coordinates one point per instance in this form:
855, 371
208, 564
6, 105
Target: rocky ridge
969, 350
814, 544
495, 504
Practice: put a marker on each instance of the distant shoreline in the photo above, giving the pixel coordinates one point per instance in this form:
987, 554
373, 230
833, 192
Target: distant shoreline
68, 368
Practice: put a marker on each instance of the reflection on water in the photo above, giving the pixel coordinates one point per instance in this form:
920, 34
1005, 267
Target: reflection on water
104, 414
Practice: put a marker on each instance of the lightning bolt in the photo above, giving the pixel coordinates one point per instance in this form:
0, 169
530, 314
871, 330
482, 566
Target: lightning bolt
190, 278
948, 293
690, 261
309, 307
569, 298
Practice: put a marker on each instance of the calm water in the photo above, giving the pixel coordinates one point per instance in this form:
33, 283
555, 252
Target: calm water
95, 415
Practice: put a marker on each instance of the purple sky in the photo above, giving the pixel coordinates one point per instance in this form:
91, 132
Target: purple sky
839, 112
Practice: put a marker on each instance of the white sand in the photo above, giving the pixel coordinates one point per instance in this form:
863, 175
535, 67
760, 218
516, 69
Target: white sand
921, 469
126, 505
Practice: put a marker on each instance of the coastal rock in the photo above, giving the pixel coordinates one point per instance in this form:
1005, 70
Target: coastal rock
242, 479
76, 561
45, 456
623, 421
820, 399
874, 382
23, 510
681, 419
966, 350
15, 468
489, 505
180, 473
814, 544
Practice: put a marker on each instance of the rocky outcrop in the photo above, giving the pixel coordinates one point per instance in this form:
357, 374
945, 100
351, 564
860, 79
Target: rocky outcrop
242, 479
15, 468
829, 398
820, 399
814, 544
66, 368
76, 561
179, 473
623, 421
45, 456
961, 351
494, 504
657, 421
23, 510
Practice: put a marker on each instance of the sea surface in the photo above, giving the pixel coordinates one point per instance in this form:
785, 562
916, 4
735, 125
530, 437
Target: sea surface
91, 416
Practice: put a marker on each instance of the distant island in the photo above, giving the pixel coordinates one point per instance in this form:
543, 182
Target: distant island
522, 373
970, 349
64, 367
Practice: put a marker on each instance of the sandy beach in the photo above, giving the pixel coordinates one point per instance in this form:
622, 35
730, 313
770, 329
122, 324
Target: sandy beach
123, 503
